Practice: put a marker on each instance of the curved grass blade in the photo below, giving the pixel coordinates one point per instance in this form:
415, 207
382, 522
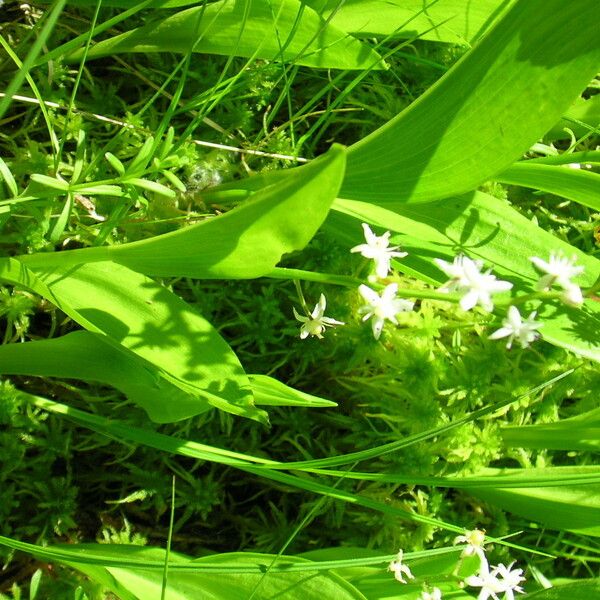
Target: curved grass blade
307, 38
574, 184
581, 118
263, 468
245, 242
489, 109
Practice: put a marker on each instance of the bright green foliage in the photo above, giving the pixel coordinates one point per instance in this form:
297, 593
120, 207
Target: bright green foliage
246, 242
427, 431
450, 21
581, 432
485, 112
281, 30
575, 184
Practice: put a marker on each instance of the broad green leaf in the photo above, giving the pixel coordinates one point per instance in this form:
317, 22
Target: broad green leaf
577, 433
489, 229
91, 357
574, 508
282, 30
575, 184
451, 21
246, 242
486, 111
136, 312
131, 583
580, 118
270, 392
585, 589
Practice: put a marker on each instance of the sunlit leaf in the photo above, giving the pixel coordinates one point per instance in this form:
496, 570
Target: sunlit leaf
487, 111
450, 21
285, 30
91, 357
575, 184
245, 242
483, 227
581, 432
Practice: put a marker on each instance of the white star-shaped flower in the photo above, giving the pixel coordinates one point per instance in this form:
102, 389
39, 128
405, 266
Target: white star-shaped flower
378, 249
500, 580
316, 322
399, 569
435, 594
382, 307
514, 326
474, 540
558, 271
466, 278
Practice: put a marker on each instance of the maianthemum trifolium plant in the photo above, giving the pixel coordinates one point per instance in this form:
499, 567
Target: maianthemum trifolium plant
406, 204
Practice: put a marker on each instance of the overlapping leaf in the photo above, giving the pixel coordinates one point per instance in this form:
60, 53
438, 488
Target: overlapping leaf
489, 109
574, 508
575, 184
283, 30
450, 21
481, 227
246, 242
143, 317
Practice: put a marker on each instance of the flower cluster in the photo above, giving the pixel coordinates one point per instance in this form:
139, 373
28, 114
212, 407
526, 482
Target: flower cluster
499, 579
466, 276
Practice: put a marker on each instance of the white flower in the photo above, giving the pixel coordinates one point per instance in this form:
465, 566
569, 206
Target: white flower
315, 323
435, 594
474, 540
559, 270
572, 296
383, 307
515, 327
377, 248
509, 580
466, 278
500, 580
399, 569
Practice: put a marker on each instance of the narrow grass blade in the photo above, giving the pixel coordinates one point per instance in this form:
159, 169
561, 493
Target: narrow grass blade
34, 51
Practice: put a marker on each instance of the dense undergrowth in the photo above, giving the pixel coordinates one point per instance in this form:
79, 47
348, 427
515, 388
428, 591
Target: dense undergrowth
234, 117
